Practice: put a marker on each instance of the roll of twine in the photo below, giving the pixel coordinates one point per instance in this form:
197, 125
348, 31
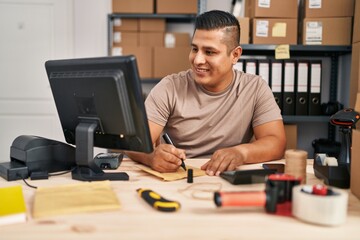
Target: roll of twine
295, 163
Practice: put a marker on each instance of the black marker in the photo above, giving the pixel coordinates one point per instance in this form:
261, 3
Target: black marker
169, 141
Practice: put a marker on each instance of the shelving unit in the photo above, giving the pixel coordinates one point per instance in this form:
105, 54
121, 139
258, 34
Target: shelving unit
333, 52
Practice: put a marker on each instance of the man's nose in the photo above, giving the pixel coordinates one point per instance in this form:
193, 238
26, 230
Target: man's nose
199, 58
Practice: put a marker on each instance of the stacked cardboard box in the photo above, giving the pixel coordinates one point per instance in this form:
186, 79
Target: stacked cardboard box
327, 22
273, 22
355, 85
158, 53
177, 6
355, 156
244, 30
133, 6
355, 58
147, 39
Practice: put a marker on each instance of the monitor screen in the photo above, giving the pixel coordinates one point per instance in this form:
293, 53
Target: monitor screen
99, 103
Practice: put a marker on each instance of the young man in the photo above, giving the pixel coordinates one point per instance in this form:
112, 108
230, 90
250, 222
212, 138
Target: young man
211, 110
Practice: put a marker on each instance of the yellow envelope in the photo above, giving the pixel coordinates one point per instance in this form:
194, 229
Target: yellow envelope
179, 174
74, 198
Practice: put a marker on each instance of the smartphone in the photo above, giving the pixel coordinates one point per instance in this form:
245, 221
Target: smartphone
278, 167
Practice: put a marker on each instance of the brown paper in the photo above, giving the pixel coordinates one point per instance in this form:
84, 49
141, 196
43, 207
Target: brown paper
179, 174
74, 198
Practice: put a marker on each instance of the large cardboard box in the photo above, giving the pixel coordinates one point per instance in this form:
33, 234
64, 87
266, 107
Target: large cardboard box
126, 24
329, 8
274, 31
327, 31
177, 6
244, 30
152, 25
271, 9
356, 28
176, 39
151, 39
354, 74
355, 156
355, 164
144, 56
125, 38
170, 60
133, 6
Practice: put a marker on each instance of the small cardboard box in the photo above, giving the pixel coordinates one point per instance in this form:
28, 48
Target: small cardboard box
151, 39
291, 136
144, 56
177, 6
170, 60
176, 39
126, 24
356, 28
354, 75
152, 25
271, 9
327, 31
329, 8
133, 6
123, 38
274, 31
244, 30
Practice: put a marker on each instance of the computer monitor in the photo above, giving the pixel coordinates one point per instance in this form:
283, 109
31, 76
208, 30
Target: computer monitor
99, 103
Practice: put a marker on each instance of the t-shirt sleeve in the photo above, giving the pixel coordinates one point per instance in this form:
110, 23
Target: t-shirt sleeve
266, 108
159, 101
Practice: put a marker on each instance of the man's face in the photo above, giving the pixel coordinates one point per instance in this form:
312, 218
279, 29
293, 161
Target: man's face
210, 61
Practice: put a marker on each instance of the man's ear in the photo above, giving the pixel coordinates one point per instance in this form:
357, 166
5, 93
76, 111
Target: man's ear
236, 53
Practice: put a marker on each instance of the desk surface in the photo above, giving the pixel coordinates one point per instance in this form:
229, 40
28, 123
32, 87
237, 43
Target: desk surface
197, 219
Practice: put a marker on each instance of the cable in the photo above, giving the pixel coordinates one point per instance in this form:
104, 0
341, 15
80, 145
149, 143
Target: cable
62, 173
29, 185
201, 191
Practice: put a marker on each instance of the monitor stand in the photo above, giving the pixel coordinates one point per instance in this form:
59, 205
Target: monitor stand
86, 169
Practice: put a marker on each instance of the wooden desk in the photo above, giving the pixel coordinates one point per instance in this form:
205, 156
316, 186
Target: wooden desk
197, 219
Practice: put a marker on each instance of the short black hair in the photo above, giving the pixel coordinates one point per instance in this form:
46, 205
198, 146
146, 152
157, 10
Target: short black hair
216, 19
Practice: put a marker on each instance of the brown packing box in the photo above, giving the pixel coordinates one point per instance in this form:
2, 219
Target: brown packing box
151, 39
176, 39
123, 38
273, 8
144, 56
133, 6
357, 108
152, 25
329, 8
355, 157
126, 24
274, 31
354, 74
356, 28
177, 6
244, 30
291, 136
335, 31
170, 60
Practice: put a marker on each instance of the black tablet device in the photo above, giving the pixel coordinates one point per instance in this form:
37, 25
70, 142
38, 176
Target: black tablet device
247, 176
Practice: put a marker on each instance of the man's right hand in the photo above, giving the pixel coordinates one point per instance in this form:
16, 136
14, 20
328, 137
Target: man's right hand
166, 158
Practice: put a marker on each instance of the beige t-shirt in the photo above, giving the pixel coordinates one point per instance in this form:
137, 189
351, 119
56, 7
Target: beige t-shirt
200, 121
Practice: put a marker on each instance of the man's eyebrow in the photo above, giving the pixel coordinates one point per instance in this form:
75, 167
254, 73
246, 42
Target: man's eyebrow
204, 47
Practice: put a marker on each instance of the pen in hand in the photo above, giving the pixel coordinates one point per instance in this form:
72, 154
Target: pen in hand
168, 140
